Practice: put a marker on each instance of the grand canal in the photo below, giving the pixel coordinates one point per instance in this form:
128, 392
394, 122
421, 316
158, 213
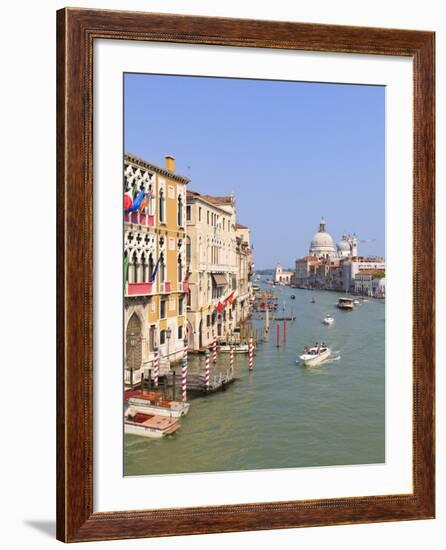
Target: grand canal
282, 414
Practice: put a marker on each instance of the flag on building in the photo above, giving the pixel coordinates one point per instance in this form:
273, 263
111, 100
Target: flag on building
155, 269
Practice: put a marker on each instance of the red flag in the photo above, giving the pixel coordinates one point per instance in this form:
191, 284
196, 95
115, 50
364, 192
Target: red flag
220, 307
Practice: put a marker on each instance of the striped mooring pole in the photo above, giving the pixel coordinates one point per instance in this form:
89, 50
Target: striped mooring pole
207, 369
231, 360
251, 354
184, 372
156, 368
214, 349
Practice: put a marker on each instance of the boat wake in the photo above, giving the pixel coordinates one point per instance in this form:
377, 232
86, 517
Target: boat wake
335, 357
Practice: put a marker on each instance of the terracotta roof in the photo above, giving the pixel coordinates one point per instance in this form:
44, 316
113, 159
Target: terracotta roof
218, 200
240, 226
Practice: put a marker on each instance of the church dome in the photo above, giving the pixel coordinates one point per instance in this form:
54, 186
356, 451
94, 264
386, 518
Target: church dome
344, 246
322, 244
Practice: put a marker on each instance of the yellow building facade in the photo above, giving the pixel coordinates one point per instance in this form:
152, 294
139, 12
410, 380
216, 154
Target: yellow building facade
155, 271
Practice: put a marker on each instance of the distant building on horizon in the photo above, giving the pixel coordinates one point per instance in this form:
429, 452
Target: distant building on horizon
282, 277
334, 267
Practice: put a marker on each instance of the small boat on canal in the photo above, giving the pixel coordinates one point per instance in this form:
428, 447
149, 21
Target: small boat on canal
152, 402
293, 297
149, 425
314, 356
237, 347
328, 319
345, 303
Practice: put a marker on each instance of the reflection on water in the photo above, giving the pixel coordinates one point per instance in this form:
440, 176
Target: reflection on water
283, 414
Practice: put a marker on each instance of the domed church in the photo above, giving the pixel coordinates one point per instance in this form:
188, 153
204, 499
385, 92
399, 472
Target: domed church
322, 244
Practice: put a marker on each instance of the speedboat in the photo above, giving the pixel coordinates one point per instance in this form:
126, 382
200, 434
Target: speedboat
356, 302
149, 425
328, 320
152, 402
315, 356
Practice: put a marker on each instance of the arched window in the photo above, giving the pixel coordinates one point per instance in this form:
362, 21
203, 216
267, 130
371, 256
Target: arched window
180, 269
188, 250
162, 269
161, 206
143, 277
150, 268
150, 205
132, 268
180, 211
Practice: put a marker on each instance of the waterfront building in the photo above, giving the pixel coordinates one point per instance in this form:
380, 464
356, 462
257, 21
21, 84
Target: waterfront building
244, 292
282, 277
213, 268
370, 282
155, 276
352, 266
333, 267
304, 270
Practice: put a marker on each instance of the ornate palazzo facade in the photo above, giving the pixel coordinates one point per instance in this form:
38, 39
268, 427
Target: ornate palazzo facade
155, 275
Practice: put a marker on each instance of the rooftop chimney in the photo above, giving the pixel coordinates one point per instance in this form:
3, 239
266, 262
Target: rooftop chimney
170, 163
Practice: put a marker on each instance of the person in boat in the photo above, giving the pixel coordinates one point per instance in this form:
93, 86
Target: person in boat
306, 349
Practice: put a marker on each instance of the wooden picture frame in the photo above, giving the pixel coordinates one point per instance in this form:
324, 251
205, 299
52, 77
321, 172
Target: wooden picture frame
76, 31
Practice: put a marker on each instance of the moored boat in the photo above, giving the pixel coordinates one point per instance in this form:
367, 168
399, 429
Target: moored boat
149, 425
237, 347
345, 303
152, 402
315, 356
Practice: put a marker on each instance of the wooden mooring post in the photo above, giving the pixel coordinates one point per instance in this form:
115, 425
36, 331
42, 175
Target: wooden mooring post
278, 335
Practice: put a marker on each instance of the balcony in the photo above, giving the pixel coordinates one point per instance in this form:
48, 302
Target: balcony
166, 286
139, 289
147, 220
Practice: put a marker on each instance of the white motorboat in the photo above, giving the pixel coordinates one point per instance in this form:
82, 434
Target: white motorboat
315, 356
161, 407
328, 320
238, 348
356, 302
149, 425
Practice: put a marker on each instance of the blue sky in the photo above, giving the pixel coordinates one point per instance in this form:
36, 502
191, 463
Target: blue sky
290, 151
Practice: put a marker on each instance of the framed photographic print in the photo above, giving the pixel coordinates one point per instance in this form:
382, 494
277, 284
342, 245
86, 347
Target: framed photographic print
245, 275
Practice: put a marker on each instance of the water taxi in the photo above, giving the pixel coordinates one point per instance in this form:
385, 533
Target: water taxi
328, 319
152, 402
345, 303
315, 356
149, 425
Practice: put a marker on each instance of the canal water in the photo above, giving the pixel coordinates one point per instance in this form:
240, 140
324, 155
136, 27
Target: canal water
282, 414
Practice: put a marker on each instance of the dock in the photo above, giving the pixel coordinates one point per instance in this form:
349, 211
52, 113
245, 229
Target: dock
196, 385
